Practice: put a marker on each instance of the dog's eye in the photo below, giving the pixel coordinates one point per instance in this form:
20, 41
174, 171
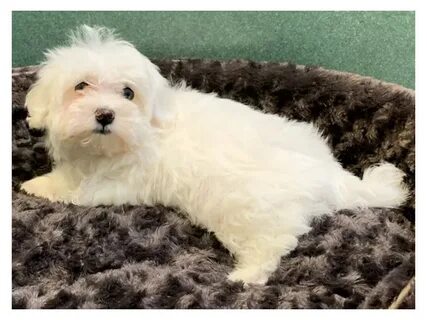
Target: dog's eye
80, 86
128, 93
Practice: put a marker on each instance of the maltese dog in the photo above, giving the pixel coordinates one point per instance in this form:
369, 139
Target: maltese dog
119, 133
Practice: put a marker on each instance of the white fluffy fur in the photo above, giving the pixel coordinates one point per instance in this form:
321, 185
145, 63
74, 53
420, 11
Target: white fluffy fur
254, 179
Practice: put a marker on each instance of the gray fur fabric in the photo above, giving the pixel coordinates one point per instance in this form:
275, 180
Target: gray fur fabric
66, 256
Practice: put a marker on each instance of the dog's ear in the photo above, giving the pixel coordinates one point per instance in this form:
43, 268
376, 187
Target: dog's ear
37, 102
161, 114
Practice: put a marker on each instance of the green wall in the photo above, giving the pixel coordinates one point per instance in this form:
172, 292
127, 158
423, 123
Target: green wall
378, 44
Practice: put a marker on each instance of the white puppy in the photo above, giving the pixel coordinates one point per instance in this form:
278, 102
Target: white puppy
119, 133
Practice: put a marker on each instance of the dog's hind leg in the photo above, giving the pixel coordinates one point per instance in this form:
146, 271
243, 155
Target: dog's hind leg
259, 258
259, 245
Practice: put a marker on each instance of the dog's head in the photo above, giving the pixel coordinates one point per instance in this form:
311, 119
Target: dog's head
98, 93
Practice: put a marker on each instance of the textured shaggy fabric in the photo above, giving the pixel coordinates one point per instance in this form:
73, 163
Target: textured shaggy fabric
66, 256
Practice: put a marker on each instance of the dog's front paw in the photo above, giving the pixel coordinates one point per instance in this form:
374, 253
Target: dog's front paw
41, 187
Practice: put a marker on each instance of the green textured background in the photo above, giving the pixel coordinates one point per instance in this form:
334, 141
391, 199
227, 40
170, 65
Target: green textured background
378, 44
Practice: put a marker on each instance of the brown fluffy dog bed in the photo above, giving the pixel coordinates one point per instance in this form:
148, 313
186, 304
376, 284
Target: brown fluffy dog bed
66, 256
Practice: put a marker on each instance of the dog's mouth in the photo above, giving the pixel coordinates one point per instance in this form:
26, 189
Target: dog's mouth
103, 130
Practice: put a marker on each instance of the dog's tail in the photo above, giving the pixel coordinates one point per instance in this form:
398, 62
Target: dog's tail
381, 186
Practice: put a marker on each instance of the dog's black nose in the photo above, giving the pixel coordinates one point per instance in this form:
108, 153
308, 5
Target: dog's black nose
104, 116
